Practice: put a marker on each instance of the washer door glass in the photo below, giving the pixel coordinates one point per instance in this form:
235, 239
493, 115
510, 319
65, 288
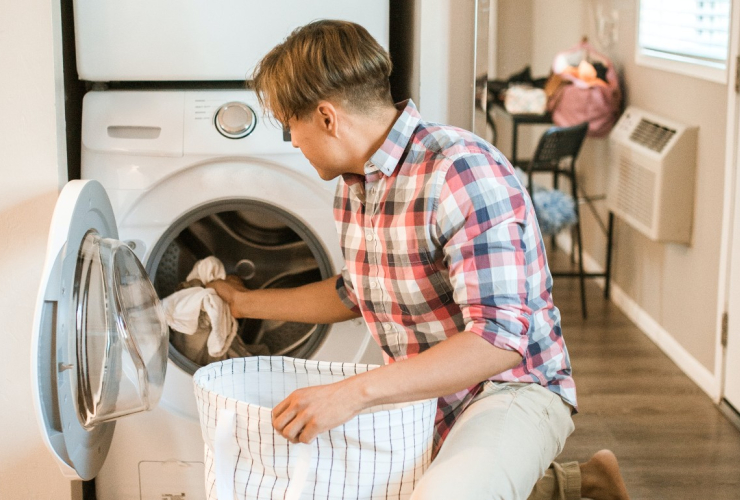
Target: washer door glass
121, 333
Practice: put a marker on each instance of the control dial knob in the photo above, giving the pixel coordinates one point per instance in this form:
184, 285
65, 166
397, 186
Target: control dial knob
235, 120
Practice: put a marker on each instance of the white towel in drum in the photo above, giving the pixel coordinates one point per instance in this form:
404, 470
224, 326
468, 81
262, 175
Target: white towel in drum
198, 309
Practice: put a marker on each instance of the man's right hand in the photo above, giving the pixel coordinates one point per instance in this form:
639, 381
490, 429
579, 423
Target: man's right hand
229, 289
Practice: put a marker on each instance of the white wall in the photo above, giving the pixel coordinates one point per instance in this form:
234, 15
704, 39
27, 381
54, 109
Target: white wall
556, 26
31, 158
446, 52
432, 16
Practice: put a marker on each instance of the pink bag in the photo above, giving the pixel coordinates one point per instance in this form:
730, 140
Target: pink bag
584, 87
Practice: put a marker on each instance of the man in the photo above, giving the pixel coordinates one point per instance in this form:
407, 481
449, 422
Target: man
444, 262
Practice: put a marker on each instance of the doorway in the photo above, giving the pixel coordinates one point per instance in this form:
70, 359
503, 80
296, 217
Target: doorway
731, 319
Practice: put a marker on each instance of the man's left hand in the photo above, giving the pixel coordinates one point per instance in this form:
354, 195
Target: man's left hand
308, 412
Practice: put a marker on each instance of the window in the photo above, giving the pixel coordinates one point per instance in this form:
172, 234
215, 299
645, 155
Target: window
685, 36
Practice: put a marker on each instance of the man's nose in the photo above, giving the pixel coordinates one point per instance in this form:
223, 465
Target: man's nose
287, 136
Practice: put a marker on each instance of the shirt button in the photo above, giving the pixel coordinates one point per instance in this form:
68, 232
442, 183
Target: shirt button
373, 284
369, 236
387, 327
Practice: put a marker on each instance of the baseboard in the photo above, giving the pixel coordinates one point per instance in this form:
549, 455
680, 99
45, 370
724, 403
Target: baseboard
703, 377
730, 412
697, 372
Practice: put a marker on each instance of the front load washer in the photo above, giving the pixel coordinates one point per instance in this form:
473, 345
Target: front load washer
191, 174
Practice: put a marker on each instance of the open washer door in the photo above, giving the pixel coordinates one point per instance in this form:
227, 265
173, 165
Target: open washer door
99, 349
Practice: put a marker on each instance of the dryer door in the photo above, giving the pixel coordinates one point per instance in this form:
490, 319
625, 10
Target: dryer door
100, 339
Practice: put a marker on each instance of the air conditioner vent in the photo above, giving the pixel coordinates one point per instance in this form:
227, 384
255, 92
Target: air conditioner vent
652, 175
652, 135
635, 190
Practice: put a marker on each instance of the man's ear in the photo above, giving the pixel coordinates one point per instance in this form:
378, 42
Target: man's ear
328, 117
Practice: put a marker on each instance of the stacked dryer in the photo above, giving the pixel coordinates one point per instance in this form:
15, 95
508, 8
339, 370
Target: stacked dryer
192, 173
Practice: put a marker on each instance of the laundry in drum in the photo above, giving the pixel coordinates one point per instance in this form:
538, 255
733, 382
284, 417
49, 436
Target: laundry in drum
257, 245
258, 248
203, 329
201, 325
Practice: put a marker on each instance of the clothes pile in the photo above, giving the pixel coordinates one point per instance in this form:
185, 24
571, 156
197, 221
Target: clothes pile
201, 324
520, 93
584, 87
555, 209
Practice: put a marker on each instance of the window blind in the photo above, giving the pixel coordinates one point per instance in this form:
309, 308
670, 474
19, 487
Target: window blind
686, 29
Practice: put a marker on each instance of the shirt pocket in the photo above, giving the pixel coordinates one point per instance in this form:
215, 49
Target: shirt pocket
419, 283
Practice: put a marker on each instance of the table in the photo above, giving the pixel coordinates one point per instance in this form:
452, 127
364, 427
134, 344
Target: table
519, 119
524, 119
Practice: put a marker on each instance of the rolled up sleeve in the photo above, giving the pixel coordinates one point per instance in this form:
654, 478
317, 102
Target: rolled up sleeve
346, 291
480, 221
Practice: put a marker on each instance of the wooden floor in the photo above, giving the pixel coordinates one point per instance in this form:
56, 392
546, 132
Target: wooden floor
671, 441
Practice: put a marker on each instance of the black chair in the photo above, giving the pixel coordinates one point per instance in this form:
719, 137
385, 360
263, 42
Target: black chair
556, 153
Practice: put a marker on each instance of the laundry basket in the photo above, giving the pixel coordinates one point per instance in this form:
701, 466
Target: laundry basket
379, 454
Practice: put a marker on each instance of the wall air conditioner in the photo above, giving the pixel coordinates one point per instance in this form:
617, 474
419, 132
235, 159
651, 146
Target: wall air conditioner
652, 177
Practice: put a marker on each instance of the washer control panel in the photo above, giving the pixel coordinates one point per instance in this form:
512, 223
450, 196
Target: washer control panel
235, 120
230, 123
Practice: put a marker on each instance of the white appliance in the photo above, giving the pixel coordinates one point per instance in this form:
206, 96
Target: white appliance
653, 175
169, 177
188, 174
185, 40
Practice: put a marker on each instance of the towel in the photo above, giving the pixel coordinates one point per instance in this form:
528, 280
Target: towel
196, 310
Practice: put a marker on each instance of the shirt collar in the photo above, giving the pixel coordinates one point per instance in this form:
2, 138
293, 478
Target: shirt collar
387, 157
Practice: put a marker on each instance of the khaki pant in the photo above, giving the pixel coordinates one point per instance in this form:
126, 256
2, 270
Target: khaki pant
502, 447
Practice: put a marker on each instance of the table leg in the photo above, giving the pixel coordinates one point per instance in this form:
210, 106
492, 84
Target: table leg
609, 241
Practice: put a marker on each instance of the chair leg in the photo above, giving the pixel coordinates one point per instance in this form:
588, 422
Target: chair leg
581, 273
572, 244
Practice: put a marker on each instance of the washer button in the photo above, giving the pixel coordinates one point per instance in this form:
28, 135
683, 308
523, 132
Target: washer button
235, 120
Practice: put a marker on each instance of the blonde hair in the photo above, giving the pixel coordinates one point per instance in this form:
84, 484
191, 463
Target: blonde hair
323, 60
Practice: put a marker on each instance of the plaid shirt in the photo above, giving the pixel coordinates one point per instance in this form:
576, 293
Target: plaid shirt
438, 237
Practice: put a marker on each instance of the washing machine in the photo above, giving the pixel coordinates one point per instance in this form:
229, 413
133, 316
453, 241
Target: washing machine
168, 177
171, 177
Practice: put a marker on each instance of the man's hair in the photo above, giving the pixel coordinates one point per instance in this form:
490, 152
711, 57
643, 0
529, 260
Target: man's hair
323, 60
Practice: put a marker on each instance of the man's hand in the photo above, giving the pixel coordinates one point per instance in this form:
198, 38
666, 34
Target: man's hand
228, 289
308, 412
461, 361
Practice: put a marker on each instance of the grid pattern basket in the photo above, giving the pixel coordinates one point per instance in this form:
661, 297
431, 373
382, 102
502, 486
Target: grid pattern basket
379, 454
